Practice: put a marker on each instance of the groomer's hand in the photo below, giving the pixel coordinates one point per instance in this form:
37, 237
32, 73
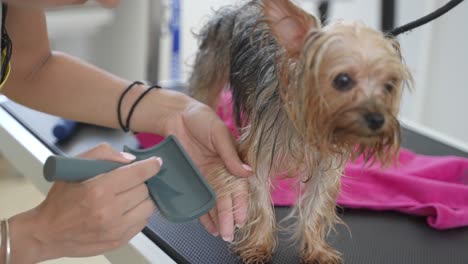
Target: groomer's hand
88, 218
210, 144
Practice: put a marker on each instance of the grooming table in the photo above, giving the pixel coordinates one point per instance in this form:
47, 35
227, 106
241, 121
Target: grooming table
372, 238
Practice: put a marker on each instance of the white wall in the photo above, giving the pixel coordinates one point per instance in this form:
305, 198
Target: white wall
416, 47
113, 39
121, 47
445, 104
366, 11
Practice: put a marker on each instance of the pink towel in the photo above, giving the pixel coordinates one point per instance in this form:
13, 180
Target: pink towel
434, 187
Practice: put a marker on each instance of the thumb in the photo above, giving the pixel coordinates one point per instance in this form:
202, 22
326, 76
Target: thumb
225, 145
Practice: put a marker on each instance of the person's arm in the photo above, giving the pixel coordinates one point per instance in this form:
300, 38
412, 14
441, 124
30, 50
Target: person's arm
59, 84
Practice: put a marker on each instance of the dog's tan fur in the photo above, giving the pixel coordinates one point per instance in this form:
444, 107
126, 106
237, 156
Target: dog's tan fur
293, 118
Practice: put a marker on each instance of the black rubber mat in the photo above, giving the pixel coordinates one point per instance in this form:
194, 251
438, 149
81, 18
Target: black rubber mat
372, 238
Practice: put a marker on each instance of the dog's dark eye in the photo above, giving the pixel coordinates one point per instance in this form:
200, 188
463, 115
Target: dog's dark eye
389, 87
343, 82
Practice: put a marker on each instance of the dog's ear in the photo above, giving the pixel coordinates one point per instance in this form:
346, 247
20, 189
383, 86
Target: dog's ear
289, 24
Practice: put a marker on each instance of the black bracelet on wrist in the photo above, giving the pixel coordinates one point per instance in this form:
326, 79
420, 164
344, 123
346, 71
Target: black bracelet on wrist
136, 103
119, 105
126, 127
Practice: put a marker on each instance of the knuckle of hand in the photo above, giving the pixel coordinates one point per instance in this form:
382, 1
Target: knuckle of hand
95, 194
102, 219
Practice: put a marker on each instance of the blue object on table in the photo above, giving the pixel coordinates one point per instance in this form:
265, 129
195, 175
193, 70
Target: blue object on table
64, 129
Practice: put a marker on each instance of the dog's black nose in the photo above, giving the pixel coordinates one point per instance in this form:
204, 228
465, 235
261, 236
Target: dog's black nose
374, 120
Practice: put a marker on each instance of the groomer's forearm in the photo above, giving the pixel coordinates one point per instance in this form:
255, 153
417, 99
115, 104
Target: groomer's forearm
68, 87
65, 86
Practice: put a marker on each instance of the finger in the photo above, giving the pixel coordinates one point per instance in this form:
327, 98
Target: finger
224, 144
209, 225
225, 218
105, 151
241, 200
141, 212
129, 176
132, 198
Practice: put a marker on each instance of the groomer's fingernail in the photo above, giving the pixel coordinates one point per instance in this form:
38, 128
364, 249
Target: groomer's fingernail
227, 238
160, 161
215, 234
247, 167
128, 156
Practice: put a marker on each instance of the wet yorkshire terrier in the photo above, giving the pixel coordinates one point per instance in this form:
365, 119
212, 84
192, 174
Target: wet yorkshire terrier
306, 100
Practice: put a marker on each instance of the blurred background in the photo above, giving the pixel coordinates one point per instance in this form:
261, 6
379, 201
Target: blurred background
154, 40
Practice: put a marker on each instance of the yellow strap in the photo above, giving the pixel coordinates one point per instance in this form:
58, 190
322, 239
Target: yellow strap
7, 73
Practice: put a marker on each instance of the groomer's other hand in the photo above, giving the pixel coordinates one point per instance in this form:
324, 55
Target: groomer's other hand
210, 144
87, 218
231, 209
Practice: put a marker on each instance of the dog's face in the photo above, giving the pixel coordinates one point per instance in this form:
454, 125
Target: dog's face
354, 77
345, 87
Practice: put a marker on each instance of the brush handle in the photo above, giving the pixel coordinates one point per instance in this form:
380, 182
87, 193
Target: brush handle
58, 168
180, 191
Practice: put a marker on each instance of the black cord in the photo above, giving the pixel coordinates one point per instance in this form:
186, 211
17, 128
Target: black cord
423, 20
387, 12
323, 8
127, 127
119, 105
